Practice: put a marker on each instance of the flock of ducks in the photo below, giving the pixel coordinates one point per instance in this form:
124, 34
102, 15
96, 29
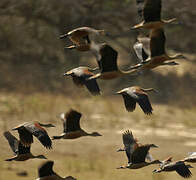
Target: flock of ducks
151, 53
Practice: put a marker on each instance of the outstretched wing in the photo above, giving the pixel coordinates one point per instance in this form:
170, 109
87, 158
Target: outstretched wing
129, 143
183, 170
13, 142
144, 103
26, 138
92, 86
108, 61
152, 10
40, 133
157, 42
72, 122
45, 169
130, 102
139, 154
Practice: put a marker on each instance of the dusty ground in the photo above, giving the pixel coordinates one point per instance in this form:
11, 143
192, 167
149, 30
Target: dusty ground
95, 158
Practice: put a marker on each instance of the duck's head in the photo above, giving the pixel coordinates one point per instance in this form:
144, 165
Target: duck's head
95, 134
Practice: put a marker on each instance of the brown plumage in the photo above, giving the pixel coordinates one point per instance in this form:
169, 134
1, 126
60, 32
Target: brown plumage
150, 13
135, 94
29, 129
71, 124
45, 172
21, 152
80, 77
180, 167
107, 61
136, 154
157, 55
80, 38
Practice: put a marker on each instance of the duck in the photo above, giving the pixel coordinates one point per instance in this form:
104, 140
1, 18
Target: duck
22, 153
136, 155
71, 125
45, 172
29, 129
80, 77
107, 62
136, 94
180, 167
157, 55
80, 37
150, 12
129, 140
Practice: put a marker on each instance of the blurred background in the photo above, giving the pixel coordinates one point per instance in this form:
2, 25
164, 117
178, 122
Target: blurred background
33, 60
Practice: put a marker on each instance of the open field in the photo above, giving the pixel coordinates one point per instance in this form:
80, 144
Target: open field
173, 130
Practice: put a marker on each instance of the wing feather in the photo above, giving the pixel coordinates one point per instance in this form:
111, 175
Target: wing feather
152, 10
108, 61
129, 102
40, 133
72, 122
157, 42
129, 143
12, 140
46, 169
144, 103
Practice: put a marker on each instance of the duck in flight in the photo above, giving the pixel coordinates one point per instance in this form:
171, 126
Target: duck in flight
29, 129
80, 37
80, 77
136, 155
71, 126
150, 12
107, 62
179, 166
22, 153
157, 55
136, 94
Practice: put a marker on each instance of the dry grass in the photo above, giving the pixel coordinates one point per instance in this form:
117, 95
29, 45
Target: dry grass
96, 158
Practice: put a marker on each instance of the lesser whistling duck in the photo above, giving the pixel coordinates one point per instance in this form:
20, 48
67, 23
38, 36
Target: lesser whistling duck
45, 172
80, 37
107, 61
180, 167
137, 154
21, 152
130, 143
136, 94
158, 55
80, 76
28, 129
71, 125
150, 12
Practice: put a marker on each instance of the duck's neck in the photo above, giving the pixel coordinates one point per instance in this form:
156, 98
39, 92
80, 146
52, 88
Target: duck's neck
148, 90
